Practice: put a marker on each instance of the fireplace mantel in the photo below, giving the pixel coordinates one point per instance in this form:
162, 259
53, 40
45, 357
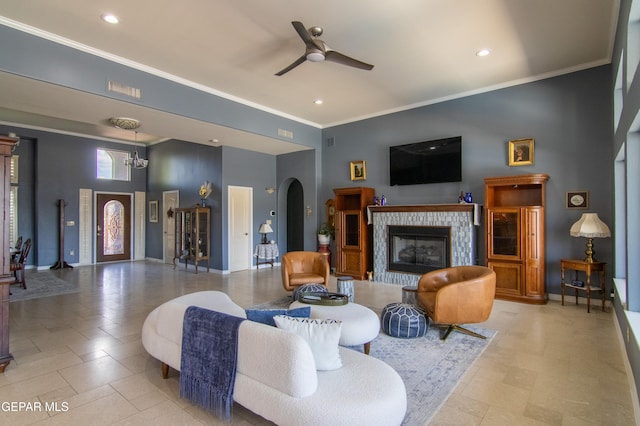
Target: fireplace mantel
425, 208
462, 219
473, 208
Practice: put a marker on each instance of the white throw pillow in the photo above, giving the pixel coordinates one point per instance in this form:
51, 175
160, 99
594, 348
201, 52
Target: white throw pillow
322, 335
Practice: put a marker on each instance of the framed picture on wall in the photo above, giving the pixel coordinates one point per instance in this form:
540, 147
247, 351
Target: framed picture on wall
358, 170
578, 199
520, 152
153, 211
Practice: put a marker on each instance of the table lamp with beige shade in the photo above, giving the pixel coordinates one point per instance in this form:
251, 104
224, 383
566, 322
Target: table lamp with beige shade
590, 226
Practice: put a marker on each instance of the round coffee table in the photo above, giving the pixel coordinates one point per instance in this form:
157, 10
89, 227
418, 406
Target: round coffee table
360, 325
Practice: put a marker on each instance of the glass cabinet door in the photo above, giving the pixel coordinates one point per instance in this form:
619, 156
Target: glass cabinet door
202, 234
504, 233
352, 228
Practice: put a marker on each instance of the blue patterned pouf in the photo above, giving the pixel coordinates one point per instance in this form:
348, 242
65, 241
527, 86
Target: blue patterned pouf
308, 288
404, 320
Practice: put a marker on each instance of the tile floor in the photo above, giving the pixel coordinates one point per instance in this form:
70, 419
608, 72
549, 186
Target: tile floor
548, 365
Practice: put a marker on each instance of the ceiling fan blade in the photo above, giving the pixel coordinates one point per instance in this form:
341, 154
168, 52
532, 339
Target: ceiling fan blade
333, 56
297, 62
305, 36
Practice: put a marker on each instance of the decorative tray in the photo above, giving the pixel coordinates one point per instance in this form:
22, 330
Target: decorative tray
322, 298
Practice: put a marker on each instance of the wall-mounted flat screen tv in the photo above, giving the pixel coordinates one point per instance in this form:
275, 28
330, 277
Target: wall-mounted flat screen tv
433, 161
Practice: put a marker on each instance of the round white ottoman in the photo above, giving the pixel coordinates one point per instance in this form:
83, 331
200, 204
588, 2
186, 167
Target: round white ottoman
360, 325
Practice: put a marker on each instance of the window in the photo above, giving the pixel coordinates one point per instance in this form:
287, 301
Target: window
111, 165
13, 202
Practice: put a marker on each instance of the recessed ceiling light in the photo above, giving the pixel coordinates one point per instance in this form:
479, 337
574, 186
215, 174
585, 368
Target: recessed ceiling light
318, 102
110, 18
483, 52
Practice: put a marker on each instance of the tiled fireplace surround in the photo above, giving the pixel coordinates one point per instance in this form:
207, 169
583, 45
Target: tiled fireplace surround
463, 219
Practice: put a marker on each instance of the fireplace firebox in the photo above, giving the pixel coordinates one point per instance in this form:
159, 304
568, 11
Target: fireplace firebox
418, 249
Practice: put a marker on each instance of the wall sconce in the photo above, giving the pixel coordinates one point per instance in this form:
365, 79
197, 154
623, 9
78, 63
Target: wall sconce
309, 211
270, 190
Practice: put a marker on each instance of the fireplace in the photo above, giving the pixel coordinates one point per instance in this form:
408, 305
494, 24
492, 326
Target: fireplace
460, 221
418, 249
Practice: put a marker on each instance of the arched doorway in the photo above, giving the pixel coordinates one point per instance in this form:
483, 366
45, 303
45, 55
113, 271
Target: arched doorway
295, 216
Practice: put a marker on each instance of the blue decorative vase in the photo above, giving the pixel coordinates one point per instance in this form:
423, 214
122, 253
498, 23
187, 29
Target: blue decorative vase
468, 198
204, 202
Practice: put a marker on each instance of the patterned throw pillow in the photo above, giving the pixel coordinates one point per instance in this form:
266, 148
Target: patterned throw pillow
322, 335
265, 316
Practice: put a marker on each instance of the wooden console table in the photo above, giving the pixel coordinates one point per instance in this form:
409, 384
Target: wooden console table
587, 268
267, 252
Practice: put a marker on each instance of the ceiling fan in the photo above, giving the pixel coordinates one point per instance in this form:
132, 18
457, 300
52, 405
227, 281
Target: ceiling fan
318, 51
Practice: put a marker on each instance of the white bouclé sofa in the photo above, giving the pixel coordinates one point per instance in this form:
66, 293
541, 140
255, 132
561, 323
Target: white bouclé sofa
276, 375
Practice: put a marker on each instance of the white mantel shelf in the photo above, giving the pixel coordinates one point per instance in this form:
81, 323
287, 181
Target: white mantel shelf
424, 208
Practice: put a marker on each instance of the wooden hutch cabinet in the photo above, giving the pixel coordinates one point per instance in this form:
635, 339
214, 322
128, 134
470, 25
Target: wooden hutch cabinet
193, 236
514, 244
353, 237
7, 145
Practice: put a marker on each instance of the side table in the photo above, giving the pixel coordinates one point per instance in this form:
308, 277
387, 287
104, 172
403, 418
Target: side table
587, 268
266, 254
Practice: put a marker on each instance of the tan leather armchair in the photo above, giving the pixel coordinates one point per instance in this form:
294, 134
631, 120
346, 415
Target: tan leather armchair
304, 267
457, 295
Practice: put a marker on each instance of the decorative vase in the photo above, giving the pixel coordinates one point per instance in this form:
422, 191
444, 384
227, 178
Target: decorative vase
468, 198
204, 202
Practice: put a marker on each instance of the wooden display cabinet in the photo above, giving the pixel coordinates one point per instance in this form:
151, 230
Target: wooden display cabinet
514, 243
193, 236
354, 253
7, 144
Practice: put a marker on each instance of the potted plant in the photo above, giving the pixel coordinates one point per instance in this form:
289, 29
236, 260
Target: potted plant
325, 233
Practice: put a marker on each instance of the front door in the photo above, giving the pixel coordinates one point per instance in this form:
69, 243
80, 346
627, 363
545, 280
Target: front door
113, 234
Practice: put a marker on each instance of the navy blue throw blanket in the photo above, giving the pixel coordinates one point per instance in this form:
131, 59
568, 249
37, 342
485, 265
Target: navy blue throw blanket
209, 358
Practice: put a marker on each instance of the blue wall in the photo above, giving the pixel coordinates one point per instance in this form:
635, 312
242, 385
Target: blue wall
54, 167
302, 167
33, 57
570, 118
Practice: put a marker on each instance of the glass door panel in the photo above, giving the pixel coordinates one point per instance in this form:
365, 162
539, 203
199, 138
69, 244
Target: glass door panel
505, 233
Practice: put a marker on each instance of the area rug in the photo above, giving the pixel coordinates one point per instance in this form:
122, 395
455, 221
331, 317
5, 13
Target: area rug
430, 368
41, 284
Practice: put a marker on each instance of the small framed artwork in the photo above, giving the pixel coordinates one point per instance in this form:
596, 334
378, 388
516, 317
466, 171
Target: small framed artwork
358, 170
153, 211
578, 199
520, 152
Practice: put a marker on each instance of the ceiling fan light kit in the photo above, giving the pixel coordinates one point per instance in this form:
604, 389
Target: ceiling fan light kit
317, 50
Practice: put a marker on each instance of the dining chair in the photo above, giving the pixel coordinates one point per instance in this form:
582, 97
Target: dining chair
17, 266
15, 251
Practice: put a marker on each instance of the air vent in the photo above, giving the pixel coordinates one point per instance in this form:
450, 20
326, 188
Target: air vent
331, 141
123, 89
285, 133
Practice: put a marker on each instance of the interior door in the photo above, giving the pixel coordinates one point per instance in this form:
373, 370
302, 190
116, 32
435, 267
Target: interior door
170, 202
240, 235
113, 233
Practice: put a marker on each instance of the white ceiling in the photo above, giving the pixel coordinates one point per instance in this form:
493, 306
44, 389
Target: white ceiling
423, 52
